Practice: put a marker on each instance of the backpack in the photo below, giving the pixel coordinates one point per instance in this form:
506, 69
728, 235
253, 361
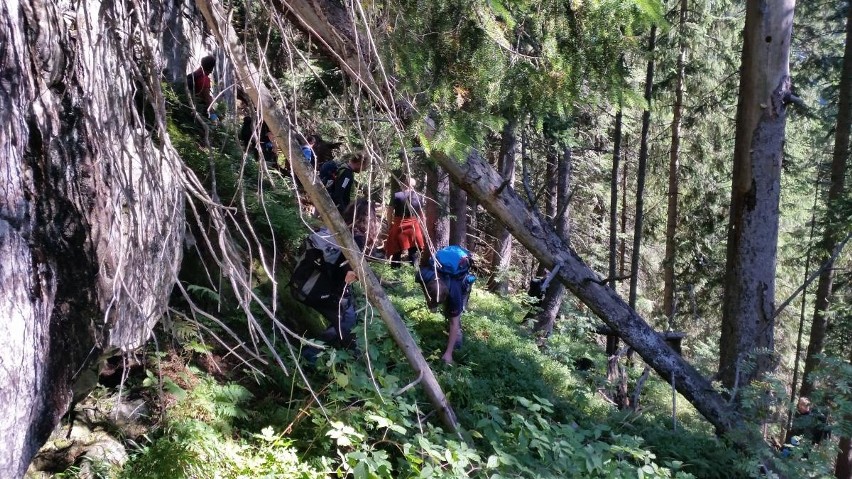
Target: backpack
311, 281
453, 261
328, 173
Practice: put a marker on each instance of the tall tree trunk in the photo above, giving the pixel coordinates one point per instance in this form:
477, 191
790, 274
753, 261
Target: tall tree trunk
458, 221
612, 339
502, 259
833, 226
640, 171
800, 330
437, 209
622, 248
613, 197
552, 302
749, 297
674, 159
90, 227
551, 172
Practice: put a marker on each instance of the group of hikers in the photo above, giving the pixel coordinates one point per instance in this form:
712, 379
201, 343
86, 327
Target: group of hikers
324, 305
322, 277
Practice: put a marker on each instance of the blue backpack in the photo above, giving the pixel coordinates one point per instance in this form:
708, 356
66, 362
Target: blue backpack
453, 261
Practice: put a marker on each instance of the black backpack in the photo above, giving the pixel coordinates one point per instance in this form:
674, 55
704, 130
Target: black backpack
311, 280
328, 173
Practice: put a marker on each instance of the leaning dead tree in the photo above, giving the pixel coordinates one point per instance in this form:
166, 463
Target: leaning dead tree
320, 20
285, 132
91, 209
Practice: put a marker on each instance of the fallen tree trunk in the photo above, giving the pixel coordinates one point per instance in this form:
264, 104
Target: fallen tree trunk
285, 132
483, 183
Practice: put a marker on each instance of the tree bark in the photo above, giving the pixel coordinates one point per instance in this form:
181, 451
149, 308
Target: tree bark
843, 465
747, 340
91, 211
249, 77
551, 188
833, 231
640, 171
613, 198
502, 258
458, 221
437, 207
552, 302
674, 159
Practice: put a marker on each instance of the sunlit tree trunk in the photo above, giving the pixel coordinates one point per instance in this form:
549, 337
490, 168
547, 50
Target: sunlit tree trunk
833, 231
843, 466
674, 159
747, 338
499, 283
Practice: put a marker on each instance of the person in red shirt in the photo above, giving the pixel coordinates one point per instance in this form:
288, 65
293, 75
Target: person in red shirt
405, 234
198, 82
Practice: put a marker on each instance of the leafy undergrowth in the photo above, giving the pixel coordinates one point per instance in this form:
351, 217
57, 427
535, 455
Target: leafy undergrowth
524, 412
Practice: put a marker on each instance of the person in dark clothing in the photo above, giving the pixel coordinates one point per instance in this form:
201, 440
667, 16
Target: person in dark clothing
405, 234
343, 189
264, 139
198, 84
328, 289
446, 281
809, 423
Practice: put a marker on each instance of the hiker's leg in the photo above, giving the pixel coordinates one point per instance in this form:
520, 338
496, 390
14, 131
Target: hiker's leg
455, 335
395, 259
414, 255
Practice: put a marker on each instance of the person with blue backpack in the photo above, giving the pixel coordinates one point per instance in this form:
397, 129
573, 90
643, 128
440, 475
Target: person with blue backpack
446, 281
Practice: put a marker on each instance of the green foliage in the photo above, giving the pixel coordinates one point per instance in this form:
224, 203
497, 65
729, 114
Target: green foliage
524, 409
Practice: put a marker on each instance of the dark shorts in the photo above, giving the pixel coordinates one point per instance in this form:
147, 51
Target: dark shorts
451, 293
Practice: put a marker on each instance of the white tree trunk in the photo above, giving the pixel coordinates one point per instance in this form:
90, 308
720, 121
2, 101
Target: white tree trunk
749, 300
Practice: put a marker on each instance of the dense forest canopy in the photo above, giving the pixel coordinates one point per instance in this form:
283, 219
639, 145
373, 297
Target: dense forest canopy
672, 170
